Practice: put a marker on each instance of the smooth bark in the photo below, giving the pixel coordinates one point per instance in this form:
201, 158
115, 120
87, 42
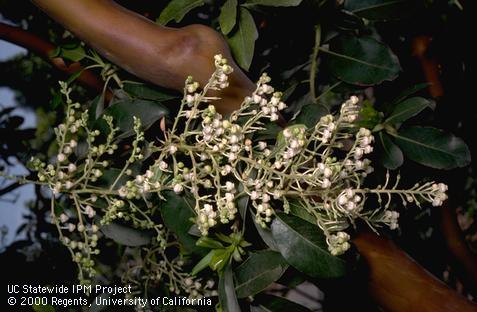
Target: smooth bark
162, 55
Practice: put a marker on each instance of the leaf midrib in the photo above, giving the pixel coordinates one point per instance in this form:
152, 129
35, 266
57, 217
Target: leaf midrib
257, 276
411, 108
306, 239
384, 145
421, 144
350, 58
228, 7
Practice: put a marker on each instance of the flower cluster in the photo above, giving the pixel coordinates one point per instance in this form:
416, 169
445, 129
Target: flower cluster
391, 219
438, 194
321, 169
227, 170
169, 272
348, 202
294, 141
207, 158
363, 140
301, 165
78, 173
338, 243
269, 106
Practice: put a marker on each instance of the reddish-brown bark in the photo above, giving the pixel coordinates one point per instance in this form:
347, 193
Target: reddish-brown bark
43, 49
429, 65
162, 55
398, 283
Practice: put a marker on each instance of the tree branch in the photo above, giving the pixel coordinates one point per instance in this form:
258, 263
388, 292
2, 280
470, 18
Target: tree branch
398, 283
43, 49
430, 69
162, 55
464, 260
10, 188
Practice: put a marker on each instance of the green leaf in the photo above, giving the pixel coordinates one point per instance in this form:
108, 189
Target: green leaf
270, 303
266, 236
225, 238
304, 247
73, 52
380, 9
242, 41
368, 116
257, 272
361, 61
220, 258
177, 213
407, 109
74, 76
123, 111
96, 108
410, 91
208, 242
228, 16
227, 297
203, 263
56, 100
176, 9
275, 3
310, 114
433, 147
297, 105
43, 308
55, 53
146, 92
297, 209
391, 155
125, 235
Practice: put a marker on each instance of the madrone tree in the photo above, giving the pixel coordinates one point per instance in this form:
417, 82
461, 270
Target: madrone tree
166, 57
